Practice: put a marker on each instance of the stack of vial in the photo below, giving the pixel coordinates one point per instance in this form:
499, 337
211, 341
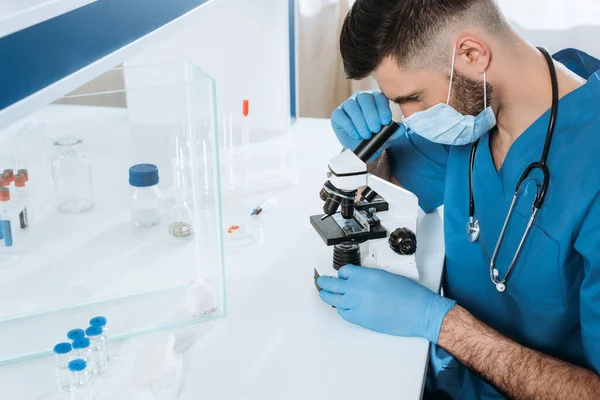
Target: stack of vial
14, 218
82, 359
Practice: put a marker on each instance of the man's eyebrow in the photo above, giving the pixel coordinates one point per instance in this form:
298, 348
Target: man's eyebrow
406, 98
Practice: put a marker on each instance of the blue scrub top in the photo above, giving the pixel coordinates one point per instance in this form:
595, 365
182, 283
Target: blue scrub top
552, 300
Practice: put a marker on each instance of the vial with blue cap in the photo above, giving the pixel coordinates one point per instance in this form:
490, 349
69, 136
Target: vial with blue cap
75, 334
98, 345
145, 197
103, 323
82, 349
63, 353
81, 387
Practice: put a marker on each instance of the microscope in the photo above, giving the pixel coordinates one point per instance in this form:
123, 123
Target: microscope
377, 231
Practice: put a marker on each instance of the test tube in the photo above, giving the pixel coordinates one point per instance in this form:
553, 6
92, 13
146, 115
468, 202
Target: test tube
246, 139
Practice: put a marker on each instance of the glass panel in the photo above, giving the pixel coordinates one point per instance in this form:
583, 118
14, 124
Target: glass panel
69, 266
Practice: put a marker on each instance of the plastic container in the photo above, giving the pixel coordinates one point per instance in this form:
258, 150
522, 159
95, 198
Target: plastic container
62, 356
82, 349
103, 323
81, 386
72, 174
145, 197
98, 345
21, 201
6, 228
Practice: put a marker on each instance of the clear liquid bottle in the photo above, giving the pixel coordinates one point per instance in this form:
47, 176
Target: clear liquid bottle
81, 386
72, 174
103, 323
145, 197
98, 344
21, 202
181, 223
82, 349
6, 228
62, 355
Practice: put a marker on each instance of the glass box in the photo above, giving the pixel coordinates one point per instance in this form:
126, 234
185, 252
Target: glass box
65, 268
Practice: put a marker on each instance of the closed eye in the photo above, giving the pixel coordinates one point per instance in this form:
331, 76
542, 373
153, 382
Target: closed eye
406, 99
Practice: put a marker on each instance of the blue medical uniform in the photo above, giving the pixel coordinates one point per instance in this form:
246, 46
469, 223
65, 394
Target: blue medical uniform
552, 300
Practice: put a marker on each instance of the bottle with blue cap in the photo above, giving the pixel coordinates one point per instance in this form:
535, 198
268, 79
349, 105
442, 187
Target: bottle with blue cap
82, 349
103, 323
98, 345
75, 334
145, 197
81, 387
62, 354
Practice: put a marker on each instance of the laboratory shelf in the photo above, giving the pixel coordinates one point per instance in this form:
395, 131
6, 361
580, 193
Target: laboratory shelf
16, 15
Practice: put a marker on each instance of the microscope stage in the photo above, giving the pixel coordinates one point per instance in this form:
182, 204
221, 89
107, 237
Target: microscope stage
332, 234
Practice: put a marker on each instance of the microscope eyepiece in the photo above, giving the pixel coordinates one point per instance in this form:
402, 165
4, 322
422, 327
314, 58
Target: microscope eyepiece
367, 148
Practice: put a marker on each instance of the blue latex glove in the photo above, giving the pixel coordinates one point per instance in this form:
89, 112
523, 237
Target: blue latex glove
361, 116
386, 303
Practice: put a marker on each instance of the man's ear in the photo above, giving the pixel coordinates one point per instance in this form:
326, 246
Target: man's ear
473, 56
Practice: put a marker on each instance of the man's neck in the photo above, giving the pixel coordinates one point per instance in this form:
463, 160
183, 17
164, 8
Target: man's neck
525, 95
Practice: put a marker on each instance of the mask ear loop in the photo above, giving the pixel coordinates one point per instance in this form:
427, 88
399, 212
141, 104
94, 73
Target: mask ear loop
451, 74
484, 91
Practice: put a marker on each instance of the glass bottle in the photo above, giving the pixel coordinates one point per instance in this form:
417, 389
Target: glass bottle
145, 196
181, 224
98, 344
72, 174
75, 334
6, 233
82, 349
81, 387
103, 323
21, 201
62, 356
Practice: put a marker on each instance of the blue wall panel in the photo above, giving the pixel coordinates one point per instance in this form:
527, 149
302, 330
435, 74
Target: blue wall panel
36, 57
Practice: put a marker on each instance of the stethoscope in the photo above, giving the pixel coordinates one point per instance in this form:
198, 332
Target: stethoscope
473, 229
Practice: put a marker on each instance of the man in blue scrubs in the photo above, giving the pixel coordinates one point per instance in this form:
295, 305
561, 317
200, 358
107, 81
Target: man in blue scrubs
445, 62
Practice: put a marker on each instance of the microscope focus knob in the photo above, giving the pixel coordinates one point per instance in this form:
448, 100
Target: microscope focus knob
403, 241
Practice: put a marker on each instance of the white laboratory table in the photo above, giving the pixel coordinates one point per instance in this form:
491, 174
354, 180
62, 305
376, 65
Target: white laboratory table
279, 341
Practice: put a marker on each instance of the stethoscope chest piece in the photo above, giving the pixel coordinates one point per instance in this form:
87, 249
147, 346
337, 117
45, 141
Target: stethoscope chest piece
473, 230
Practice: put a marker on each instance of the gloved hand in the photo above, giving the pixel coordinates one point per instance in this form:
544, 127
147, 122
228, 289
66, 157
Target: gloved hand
361, 116
386, 303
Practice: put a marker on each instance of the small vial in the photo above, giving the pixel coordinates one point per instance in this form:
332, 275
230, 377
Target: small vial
25, 173
4, 180
82, 349
145, 196
6, 233
180, 225
103, 323
75, 334
11, 175
98, 344
21, 201
81, 387
62, 355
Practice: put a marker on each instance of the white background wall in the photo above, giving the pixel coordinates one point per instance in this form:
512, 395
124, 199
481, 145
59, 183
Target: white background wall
243, 45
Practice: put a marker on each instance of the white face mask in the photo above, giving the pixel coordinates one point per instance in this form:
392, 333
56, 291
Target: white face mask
443, 124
